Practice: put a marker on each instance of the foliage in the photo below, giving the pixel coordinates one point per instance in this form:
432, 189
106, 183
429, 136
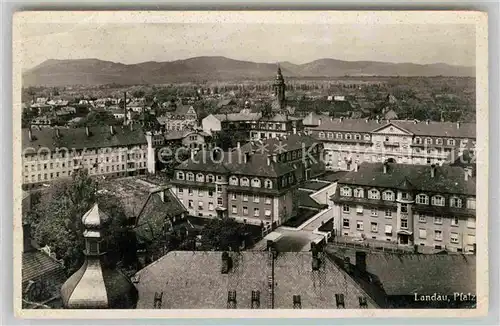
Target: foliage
229, 139
222, 234
56, 220
99, 118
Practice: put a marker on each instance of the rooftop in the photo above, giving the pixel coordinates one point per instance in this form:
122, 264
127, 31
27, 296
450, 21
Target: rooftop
447, 179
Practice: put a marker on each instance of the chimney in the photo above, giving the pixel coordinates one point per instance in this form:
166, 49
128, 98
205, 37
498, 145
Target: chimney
255, 300
356, 167
111, 130
247, 157
192, 155
433, 170
30, 134
319, 122
458, 124
131, 127
361, 261
415, 121
268, 159
238, 145
367, 120
87, 131
341, 119
467, 173
347, 265
386, 167
227, 263
294, 130
275, 158
427, 121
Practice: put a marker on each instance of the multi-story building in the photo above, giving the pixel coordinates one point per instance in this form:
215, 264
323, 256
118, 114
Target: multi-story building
256, 183
431, 206
184, 117
50, 154
350, 141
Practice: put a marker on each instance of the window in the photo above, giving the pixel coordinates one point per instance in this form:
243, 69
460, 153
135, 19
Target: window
210, 193
268, 184
210, 178
454, 237
359, 209
190, 191
428, 141
189, 176
256, 212
210, 206
359, 225
267, 212
321, 135
404, 208
357, 136
234, 209
367, 137
190, 204
388, 195
418, 141
438, 219
180, 175
374, 194
439, 141
451, 142
345, 223
422, 218
345, 191
233, 196
388, 213
219, 201
374, 227
218, 189
455, 202
200, 205
374, 212
358, 193
268, 200
233, 181
438, 200
404, 196
245, 210
388, 229
471, 203
338, 135
348, 136
471, 239
200, 193
256, 183
438, 235
329, 135
422, 233
256, 199
404, 223
245, 197
422, 199
471, 223
180, 191
345, 209
200, 177
454, 221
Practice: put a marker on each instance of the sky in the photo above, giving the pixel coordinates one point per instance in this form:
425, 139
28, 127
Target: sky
259, 42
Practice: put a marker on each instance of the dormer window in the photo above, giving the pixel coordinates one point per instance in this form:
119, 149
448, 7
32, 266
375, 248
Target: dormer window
357, 136
438, 200
255, 183
338, 135
348, 136
321, 135
359, 193
233, 181
200, 177
210, 178
418, 141
439, 141
451, 142
329, 135
245, 182
189, 176
455, 202
180, 175
422, 199
388, 195
428, 141
367, 137
345, 192
374, 194
268, 184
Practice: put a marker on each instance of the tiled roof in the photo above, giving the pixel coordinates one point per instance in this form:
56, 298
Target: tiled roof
447, 179
180, 134
239, 116
431, 128
194, 280
151, 219
76, 138
280, 145
182, 109
423, 274
38, 265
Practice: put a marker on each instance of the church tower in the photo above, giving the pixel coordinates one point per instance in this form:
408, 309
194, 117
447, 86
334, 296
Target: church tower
279, 90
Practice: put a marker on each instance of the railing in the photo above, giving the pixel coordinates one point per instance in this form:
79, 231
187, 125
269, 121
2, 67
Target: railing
371, 246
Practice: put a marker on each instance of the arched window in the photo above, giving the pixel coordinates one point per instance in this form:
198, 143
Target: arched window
438, 200
388, 195
189, 176
359, 193
422, 199
346, 192
338, 135
180, 175
200, 177
233, 181
374, 194
321, 134
439, 141
357, 136
418, 140
367, 137
455, 202
268, 184
348, 136
428, 141
245, 182
329, 135
210, 178
255, 183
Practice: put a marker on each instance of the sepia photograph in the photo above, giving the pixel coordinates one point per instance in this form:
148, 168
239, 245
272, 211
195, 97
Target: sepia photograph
239, 162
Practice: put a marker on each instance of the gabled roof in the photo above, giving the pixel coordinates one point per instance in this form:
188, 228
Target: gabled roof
280, 145
183, 109
76, 138
193, 280
447, 179
39, 265
239, 116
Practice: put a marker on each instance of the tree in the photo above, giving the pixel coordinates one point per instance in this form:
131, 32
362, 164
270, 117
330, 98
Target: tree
223, 234
99, 118
138, 94
56, 221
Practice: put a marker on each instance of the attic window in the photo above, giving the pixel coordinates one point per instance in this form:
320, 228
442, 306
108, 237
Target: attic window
339, 299
255, 300
363, 302
231, 300
297, 304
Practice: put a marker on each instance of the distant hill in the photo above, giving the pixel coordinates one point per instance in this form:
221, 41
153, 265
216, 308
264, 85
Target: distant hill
98, 72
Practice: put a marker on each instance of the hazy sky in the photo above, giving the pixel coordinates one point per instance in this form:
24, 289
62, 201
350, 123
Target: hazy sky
297, 43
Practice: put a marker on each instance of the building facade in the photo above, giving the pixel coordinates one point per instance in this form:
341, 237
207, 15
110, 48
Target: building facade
429, 206
352, 141
248, 184
184, 117
50, 154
